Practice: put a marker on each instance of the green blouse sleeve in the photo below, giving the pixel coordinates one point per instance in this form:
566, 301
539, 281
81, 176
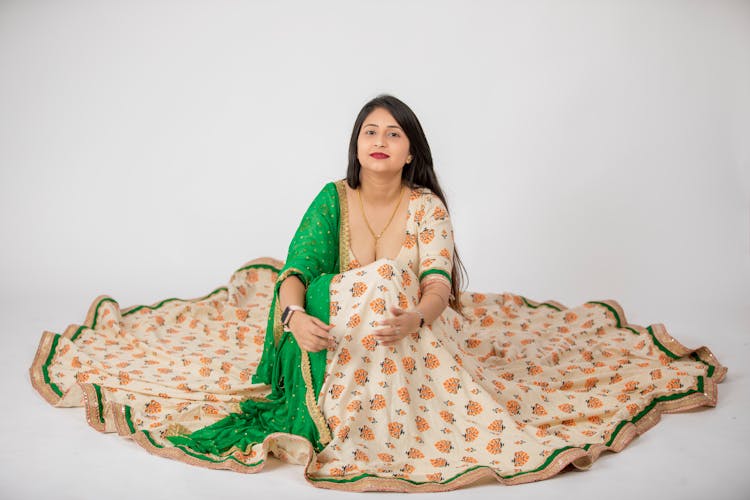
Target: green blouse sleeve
312, 252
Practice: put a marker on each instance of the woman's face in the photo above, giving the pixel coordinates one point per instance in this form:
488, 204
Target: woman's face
381, 135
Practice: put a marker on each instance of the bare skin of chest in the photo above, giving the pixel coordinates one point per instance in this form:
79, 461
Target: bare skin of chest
361, 240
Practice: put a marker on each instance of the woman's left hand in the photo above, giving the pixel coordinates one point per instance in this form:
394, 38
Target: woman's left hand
401, 324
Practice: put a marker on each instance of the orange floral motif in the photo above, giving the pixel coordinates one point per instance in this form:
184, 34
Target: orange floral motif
444, 446
360, 376
409, 241
153, 407
426, 236
566, 407
396, 429
386, 271
334, 308
452, 385
471, 434
336, 390
674, 384
366, 433
496, 426
414, 453
358, 289
344, 356
418, 215
538, 409
210, 410
594, 402
431, 361
447, 416
403, 302
333, 422
369, 342
570, 317
388, 366
378, 306
377, 402
520, 458
425, 392
403, 395
513, 407
343, 433
495, 446
409, 364
354, 406
354, 320
361, 456
473, 408
422, 424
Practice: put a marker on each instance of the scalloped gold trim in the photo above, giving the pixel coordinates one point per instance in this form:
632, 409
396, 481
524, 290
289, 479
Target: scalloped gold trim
311, 400
343, 226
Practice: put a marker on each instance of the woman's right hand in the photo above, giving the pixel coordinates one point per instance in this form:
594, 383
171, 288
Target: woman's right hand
309, 332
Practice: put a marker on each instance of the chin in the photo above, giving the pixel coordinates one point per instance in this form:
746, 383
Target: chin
380, 169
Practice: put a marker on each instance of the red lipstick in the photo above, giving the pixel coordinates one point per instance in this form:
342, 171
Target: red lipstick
379, 156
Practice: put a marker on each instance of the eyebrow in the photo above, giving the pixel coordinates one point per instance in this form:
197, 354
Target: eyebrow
389, 126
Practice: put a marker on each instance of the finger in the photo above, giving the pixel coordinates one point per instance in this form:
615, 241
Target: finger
321, 324
397, 310
317, 344
319, 333
388, 336
385, 331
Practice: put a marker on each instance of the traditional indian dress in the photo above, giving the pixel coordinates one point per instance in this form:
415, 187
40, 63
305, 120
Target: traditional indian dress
515, 390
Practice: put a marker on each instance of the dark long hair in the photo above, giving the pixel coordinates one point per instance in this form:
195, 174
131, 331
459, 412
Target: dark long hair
418, 173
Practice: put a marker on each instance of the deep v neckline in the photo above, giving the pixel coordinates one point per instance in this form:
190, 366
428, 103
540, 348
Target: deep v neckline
347, 229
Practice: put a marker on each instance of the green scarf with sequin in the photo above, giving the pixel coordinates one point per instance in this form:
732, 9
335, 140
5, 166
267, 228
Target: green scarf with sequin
294, 375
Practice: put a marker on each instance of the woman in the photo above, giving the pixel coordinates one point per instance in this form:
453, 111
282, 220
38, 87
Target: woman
369, 367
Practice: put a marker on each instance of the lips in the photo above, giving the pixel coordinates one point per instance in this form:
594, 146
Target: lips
379, 156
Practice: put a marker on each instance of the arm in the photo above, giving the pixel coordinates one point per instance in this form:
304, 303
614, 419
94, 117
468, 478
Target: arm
313, 251
435, 266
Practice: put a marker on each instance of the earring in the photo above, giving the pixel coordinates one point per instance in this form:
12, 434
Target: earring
408, 159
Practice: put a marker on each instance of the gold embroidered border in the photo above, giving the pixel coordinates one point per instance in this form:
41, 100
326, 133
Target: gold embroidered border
343, 225
310, 399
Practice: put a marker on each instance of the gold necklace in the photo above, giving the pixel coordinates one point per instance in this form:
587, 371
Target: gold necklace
361, 206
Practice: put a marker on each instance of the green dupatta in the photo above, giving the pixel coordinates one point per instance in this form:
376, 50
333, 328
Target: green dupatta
315, 255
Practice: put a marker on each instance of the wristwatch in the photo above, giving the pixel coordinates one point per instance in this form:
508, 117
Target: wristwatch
287, 315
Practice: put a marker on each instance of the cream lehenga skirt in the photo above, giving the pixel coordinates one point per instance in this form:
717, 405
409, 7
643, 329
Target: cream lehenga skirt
516, 391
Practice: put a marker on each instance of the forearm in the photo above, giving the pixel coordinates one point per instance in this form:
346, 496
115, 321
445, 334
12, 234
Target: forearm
434, 300
291, 291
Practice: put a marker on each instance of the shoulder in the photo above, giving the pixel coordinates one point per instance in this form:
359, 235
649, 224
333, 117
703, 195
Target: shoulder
429, 201
329, 191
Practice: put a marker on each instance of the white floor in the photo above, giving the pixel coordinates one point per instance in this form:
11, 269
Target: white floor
52, 452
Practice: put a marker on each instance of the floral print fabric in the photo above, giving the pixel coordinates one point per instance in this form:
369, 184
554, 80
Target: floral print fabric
516, 390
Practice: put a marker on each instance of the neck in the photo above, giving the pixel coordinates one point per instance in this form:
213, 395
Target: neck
380, 188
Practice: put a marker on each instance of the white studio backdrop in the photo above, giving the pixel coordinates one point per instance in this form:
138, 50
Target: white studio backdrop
588, 150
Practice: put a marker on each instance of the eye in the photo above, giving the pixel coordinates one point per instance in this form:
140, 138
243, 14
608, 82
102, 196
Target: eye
396, 134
